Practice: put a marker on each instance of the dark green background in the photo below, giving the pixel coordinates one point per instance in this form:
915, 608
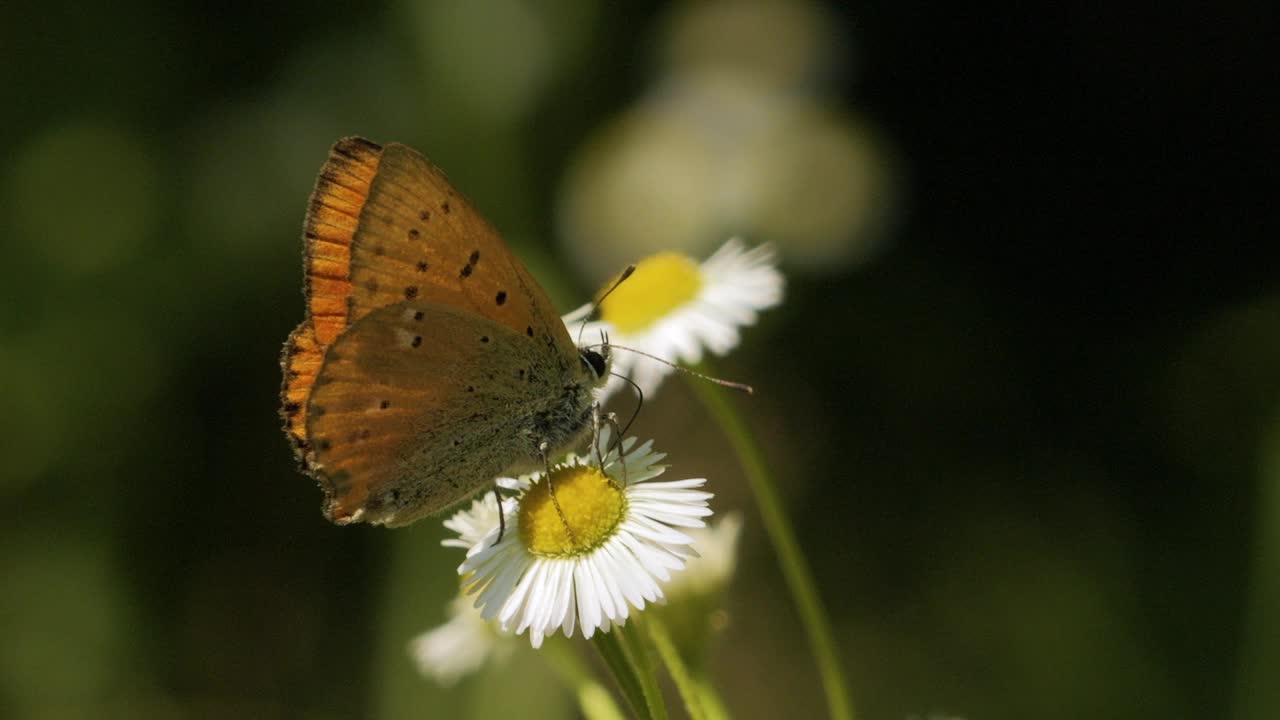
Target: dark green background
1025, 444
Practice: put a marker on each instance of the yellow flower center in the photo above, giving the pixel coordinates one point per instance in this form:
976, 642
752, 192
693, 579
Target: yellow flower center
660, 284
593, 508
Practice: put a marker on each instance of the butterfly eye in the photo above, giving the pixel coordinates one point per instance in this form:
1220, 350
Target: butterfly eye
594, 360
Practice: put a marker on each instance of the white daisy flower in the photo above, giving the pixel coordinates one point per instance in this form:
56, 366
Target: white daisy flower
473, 523
465, 642
588, 547
461, 646
674, 308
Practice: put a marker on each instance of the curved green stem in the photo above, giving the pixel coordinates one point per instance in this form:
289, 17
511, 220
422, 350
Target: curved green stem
623, 650
676, 668
638, 654
795, 569
609, 645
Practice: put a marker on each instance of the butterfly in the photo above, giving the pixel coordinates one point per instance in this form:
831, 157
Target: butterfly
429, 361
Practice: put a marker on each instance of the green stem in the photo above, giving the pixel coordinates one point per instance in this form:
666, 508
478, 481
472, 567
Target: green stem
795, 570
638, 654
623, 650
593, 699
679, 672
609, 645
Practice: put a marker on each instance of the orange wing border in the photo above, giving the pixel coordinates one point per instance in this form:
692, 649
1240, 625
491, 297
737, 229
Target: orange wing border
328, 233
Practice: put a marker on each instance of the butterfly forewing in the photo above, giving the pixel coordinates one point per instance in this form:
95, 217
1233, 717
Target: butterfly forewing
430, 360
328, 233
385, 226
419, 239
332, 228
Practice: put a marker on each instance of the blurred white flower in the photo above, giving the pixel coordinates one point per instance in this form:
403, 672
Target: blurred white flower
710, 572
465, 642
736, 135
461, 646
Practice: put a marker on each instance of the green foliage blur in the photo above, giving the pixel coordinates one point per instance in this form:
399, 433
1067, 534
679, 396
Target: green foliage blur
1024, 393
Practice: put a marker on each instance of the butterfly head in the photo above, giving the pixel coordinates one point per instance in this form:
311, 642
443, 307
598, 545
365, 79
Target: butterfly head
596, 361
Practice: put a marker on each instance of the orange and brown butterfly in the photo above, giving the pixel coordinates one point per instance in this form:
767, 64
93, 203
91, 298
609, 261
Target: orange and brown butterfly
429, 361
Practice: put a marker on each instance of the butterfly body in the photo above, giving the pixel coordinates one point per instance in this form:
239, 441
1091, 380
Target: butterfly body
430, 361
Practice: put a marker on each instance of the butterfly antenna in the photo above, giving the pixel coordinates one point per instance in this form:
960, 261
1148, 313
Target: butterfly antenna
718, 381
595, 304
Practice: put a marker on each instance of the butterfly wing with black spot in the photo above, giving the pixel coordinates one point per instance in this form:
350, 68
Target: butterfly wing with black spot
385, 226
421, 404
421, 239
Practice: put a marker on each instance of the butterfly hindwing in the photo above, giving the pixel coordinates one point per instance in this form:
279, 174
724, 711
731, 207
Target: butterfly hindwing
421, 404
384, 226
300, 363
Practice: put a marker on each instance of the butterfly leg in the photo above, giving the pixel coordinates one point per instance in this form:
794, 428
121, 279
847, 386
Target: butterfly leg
610, 419
544, 448
502, 516
595, 432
